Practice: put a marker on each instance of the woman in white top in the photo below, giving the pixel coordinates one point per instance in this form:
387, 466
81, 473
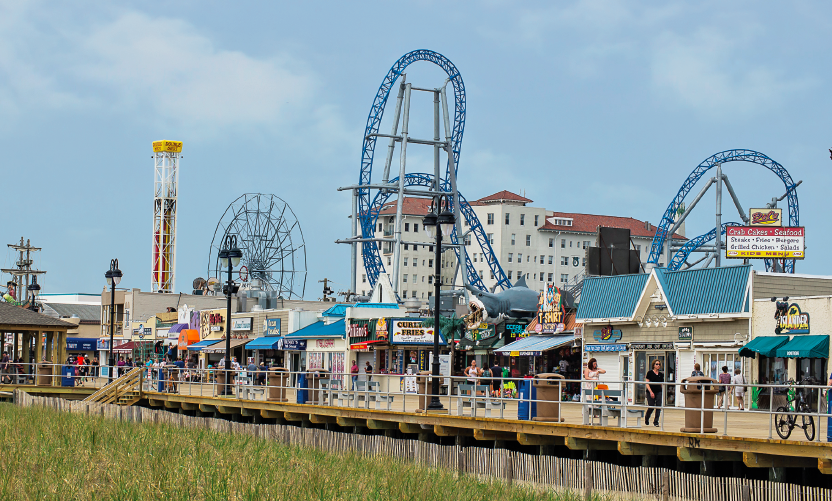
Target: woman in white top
739, 391
591, 372
472, 372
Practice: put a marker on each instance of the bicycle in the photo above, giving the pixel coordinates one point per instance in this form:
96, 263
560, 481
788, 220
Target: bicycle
785, 423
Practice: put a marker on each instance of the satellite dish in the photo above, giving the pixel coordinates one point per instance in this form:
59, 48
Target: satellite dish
199, 283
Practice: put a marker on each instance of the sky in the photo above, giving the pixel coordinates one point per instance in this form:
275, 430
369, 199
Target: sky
598, 106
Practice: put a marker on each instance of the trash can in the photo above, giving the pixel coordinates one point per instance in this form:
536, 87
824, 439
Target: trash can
314, 379
68, 376
547, 388
303, 393
160, 374
695, 422
525, 393
423, 380
44, 377
222, 387
277, 381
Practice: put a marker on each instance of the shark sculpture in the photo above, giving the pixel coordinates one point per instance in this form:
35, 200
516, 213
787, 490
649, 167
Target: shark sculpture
517, 302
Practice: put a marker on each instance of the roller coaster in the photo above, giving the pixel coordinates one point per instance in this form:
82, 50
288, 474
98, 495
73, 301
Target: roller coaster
674, 216
370, 197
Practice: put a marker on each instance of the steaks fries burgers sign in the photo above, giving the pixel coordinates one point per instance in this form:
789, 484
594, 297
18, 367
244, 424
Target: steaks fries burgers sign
764, 242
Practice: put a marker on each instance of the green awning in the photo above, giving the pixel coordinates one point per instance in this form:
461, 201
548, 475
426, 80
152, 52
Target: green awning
764, 345
805, 347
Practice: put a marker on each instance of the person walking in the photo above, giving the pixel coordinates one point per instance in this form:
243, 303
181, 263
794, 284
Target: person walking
472, 372
697, 371
654, 393
496, 378
368, 370
739, 390
590, 376
4, 368
724, 379
354, 373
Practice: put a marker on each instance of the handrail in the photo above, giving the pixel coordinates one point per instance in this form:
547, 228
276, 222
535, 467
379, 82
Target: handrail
126, 383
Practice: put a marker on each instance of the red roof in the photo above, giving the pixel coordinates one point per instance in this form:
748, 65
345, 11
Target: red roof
412, 207
502, 196
589, 223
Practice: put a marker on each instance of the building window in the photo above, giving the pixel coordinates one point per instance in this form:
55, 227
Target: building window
480, 274
475, 257
535, 219
430, 263
528, 258
413, 295
430, 294
405, 261
570, 243
467, 240
522, 219
423, 295
430, 279
541, 276
563, 222
583, 262
586, 244
564, 261
405, 246
404, 278
562, 243
423, 279
414, 279
519, 257
364, 279
509, 274
564, 277
638, 248
388, 261
512, 239
406, 226
415, 262
405, 294
541, 259
507, 218
430, 248
510, 256
549, 277
550, 259
415, 228
492, 275
491, 238
379, 226
490, 218
528, 240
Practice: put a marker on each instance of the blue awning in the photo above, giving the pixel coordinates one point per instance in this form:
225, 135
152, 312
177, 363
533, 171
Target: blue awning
202, 344
534, 345
81, 344
264, 343
320, 330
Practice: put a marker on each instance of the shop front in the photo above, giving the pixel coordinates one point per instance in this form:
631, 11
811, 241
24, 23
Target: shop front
479, 345
369, 341
319, 346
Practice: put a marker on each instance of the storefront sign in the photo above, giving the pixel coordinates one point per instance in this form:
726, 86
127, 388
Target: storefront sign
790, 320
651, 346
359, 328
550, 311
607, 335
411, 332
76, 344
272, 327
483, 331
766, 217
757, 242
685, 333
516, 330
324, 343
103, 344
241, 324
381, 328
291, 344
605, 347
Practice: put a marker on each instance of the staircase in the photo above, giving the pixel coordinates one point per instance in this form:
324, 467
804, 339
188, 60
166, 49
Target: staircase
126, 390
576, 285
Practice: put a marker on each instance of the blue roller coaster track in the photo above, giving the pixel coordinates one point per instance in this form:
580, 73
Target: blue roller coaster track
667, 221
369, 206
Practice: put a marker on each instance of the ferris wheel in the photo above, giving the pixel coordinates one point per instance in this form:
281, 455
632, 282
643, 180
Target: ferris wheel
270, 237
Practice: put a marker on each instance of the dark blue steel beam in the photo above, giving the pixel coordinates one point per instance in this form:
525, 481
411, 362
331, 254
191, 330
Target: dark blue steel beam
691, 245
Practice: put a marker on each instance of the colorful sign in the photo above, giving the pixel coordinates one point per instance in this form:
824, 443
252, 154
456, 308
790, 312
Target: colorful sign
412, 332
550, 310
790, 319
604, 347
651, 346
241, 324
483, 331
516, 330
607, 335
169, 146
272, 327
756, 242
686, 333
381, 328
766, 217
289, 344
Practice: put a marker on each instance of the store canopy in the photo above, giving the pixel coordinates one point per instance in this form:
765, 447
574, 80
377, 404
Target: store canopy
364, 345
764, 345
483, 344
805, 347
220, 347
202, 344
187, 337
534, 345
320, 330
125, 348
264, 343
176, 328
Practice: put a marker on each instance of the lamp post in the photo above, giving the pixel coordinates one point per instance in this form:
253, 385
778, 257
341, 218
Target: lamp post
229, 257
35, 290
113, 276
439, 220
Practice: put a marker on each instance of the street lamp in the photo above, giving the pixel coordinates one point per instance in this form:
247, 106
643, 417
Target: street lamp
113, 276
229, 257
34, 288
440, 220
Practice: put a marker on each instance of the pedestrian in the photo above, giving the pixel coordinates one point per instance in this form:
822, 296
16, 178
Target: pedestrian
95, 364
697, 371
654, 391
739, 389
591, 372
4, 368
368, 370
472, 372
724, 379
252, 371
496, 378
354, 373
261, 374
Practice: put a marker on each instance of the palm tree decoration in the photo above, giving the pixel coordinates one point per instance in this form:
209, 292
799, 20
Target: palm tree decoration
452, 327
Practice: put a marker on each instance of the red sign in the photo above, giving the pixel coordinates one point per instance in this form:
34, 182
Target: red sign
765, 242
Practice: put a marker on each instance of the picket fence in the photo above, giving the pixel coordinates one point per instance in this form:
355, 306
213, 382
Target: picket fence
540, 472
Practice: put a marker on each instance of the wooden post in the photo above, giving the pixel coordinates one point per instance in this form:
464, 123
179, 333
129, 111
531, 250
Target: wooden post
587, 481
665, 485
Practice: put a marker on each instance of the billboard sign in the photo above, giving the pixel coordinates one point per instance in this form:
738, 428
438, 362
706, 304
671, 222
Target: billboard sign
766, 217
742, 242
241, 324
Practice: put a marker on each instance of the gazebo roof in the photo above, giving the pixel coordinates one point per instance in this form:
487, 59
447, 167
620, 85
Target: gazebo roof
17, 318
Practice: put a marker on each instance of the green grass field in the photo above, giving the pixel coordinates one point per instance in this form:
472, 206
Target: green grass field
62, 456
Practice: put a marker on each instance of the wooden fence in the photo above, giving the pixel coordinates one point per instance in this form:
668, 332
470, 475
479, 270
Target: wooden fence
541, 472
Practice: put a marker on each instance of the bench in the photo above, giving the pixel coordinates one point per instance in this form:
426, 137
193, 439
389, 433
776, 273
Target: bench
329, 389
604, 409
467, 397
246, 392
494, 405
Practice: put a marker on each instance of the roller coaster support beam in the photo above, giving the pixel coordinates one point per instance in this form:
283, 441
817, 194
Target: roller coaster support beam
392, 146
356, 240
773, 204
690, 265
354, 246
718, 213
397, 248
734, 197
690, 208
463, 252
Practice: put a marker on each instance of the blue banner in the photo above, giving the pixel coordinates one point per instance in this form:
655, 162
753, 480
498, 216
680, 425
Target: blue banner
81, 344
272, 327
605, 347
291, 344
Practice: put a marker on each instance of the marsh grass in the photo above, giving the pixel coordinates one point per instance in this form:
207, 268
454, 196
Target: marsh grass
53, 455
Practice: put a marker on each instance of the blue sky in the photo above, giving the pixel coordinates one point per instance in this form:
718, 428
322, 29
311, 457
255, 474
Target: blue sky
597, 107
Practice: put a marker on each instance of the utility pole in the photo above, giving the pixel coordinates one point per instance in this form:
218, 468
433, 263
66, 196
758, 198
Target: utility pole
24, 268
327, 290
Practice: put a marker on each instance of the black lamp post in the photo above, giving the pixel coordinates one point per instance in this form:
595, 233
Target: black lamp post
229, 257
113, 276
438, 221
34, 288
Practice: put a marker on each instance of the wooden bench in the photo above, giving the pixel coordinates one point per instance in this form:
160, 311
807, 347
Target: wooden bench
467, 397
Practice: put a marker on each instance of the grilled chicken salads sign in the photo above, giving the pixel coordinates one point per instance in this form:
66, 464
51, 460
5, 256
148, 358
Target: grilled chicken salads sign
756, 242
